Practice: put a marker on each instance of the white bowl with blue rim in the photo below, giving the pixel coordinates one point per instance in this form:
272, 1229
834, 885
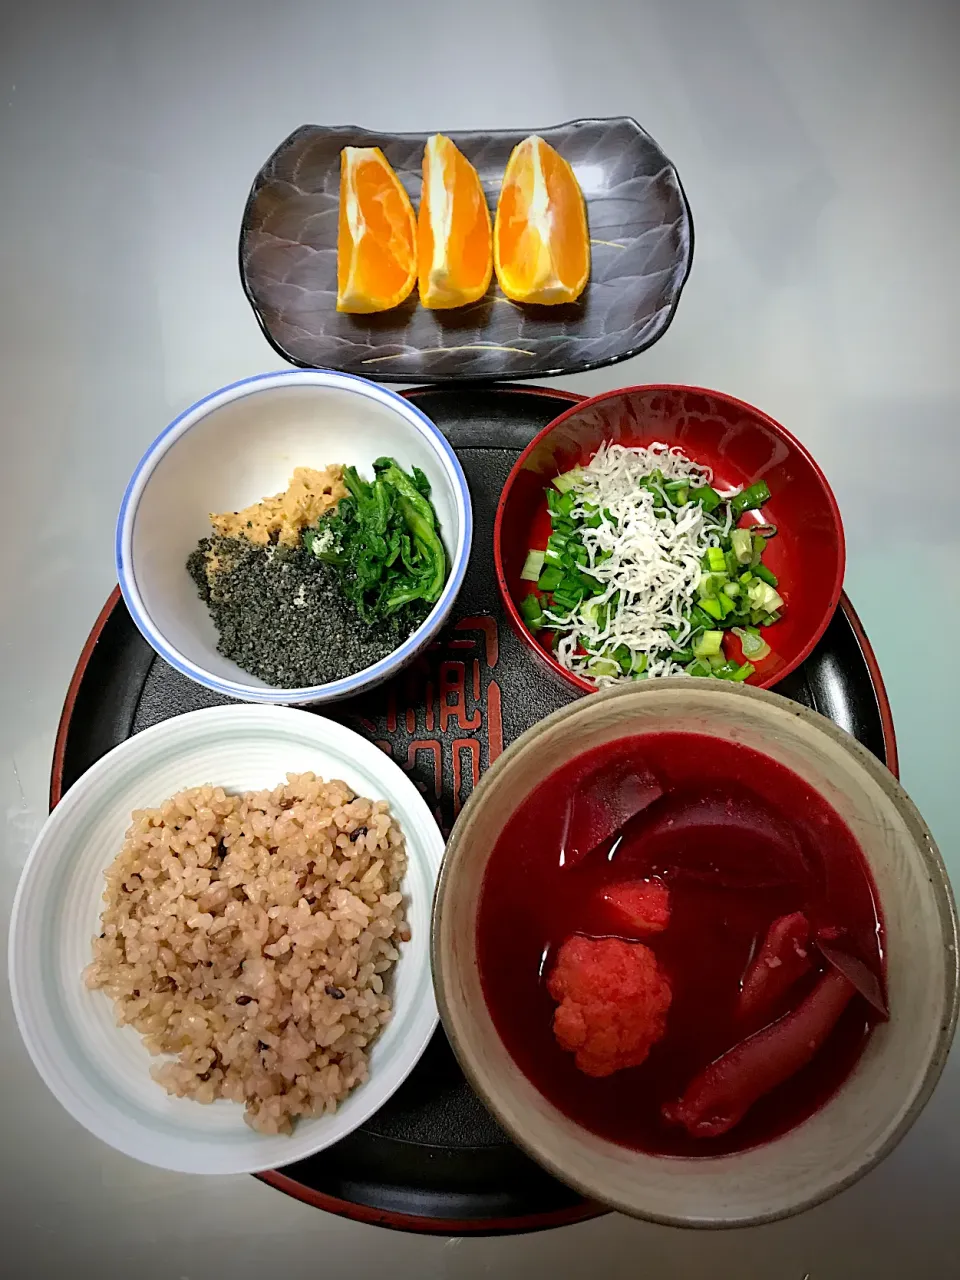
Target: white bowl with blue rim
99, 1072
235, 447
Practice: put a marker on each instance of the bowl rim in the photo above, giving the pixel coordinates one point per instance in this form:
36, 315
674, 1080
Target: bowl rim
925, 846
197, 413
58, 1072
516, 619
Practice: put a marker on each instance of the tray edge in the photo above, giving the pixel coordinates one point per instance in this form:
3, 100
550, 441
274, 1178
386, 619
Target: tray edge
413, 1224
391, 1219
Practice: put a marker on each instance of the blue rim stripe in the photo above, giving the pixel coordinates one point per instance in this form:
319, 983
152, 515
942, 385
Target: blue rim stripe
336, 689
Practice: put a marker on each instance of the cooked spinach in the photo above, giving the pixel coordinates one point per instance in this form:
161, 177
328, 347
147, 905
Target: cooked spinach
382, 540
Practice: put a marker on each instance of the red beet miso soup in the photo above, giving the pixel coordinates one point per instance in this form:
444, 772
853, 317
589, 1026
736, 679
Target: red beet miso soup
680, 944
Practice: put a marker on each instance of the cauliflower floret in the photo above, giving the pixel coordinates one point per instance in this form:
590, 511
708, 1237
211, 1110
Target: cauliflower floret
613, 1001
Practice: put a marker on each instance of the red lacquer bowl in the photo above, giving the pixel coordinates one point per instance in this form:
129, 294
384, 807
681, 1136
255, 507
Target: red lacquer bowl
742, 445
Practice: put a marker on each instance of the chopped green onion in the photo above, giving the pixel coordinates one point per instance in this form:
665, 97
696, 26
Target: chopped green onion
569, 594
550, 579
698, 668
531, 612
755, 496
567, 481
532, 566
565, 532
710, 585
678, 491
762, 596
753, 645
731, 592
624, 657
741, 541
708, 498
590, 611
707, 644
573, 584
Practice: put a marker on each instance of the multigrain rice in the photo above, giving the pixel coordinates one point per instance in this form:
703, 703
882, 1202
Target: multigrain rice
250, 935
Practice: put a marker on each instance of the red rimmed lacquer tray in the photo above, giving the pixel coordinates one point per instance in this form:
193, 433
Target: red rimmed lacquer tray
433, 1160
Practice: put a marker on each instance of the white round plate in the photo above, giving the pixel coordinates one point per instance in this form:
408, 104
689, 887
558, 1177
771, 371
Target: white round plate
101, 1072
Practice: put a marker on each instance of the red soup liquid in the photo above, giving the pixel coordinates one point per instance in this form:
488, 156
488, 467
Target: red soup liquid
740, 841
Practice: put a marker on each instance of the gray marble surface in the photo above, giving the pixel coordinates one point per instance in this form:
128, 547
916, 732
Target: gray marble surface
817, 144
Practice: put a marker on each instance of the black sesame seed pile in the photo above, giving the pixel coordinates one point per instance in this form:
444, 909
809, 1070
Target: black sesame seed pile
281, 615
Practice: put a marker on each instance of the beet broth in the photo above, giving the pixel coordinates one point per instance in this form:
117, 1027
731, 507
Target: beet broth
740, 841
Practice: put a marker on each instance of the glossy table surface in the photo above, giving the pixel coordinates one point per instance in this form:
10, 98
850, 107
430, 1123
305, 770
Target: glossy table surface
817, 145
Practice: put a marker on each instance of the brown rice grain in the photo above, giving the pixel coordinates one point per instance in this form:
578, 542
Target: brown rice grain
230, 920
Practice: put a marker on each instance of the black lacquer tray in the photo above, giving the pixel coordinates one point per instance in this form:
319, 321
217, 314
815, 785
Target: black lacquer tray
641, 236
433, 1159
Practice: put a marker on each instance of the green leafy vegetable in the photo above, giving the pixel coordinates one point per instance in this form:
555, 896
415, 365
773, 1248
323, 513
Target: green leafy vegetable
382, 539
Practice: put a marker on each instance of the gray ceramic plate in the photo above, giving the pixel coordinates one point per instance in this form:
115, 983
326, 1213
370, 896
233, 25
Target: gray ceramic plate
641, 242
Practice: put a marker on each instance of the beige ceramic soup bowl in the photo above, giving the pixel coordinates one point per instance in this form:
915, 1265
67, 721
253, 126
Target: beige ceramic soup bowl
903, 1058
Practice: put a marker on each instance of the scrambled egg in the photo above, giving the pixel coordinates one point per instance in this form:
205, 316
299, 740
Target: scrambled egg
282, 518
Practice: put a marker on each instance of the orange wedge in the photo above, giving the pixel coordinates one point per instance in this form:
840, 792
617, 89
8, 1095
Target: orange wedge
454, 250
541, 248
376, 239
